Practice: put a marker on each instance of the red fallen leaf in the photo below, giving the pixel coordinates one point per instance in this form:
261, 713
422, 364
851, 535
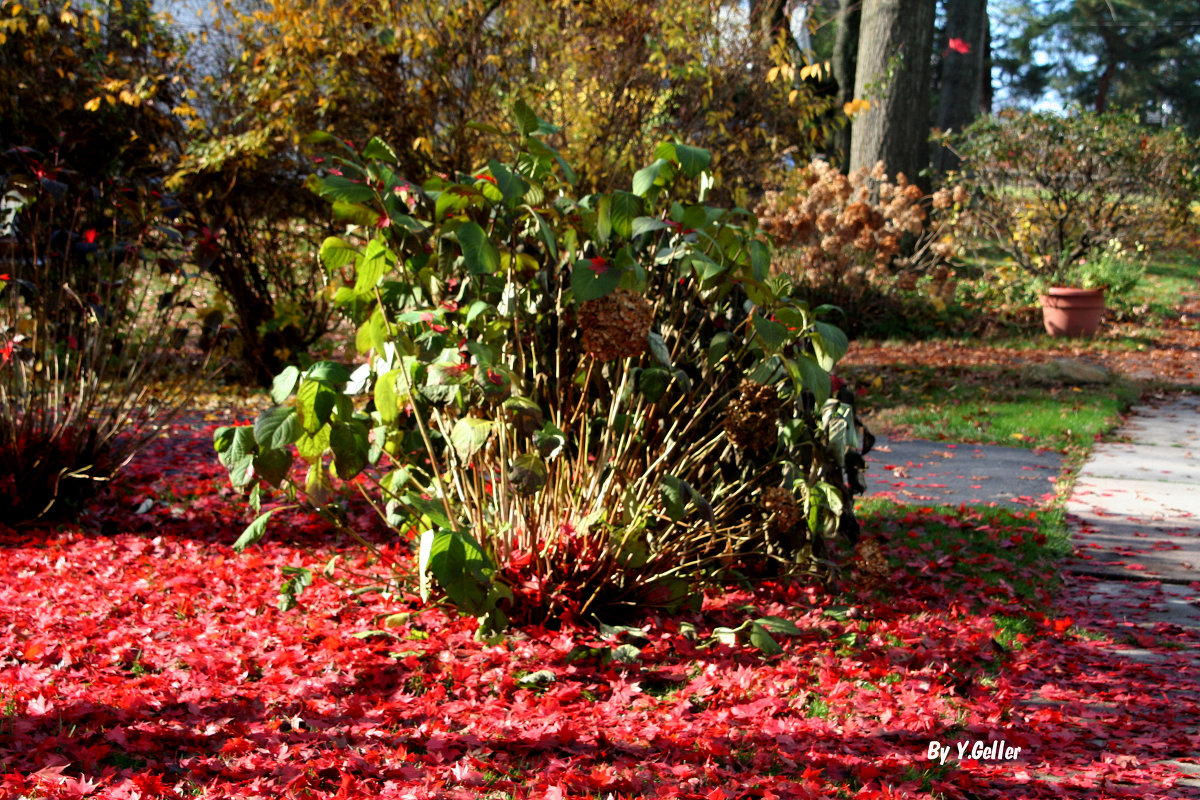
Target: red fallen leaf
237, 746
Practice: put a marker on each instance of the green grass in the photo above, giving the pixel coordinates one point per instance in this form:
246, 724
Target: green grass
989, 405
1027, 542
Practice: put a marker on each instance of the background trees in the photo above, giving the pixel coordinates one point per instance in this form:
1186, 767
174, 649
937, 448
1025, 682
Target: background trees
1131, 54
892, 73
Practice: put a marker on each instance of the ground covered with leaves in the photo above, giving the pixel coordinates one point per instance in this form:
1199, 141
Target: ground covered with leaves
140, 657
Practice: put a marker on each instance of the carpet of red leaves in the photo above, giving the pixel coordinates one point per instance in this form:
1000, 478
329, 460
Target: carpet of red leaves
140, 657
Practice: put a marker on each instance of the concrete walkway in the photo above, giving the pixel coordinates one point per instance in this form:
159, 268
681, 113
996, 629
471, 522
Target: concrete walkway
1135, 517
1135, 508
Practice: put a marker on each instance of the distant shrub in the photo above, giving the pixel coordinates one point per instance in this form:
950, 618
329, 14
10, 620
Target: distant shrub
578, 406
857, 241
1053, 192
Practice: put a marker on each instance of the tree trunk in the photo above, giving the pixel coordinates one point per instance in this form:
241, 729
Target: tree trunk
894, 44
961, 96
845, 55
768, 20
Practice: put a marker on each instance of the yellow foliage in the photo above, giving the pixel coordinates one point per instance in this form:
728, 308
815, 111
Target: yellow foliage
856, 106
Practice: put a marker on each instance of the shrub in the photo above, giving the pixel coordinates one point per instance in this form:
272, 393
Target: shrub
1051, 192
858, 240
579, 405
90, 305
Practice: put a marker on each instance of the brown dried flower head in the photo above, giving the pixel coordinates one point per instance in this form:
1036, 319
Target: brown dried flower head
616, 325
750, 420
780, 509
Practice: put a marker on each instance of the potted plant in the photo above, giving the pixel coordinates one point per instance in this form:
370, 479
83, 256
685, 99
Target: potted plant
1073, 295
1058, 195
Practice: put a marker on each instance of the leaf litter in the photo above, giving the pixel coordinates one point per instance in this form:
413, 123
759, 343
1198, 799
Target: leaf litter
141, 657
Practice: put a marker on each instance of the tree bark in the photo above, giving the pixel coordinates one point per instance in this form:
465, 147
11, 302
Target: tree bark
895, 39
769, 19
845, 56
961, 96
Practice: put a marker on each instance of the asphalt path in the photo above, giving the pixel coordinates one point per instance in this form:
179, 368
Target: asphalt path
919, 471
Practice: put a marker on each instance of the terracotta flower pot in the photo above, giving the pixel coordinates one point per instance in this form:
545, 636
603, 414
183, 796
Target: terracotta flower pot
1072, 312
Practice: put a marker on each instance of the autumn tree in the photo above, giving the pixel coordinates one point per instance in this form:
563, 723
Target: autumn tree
893, 75
94, 85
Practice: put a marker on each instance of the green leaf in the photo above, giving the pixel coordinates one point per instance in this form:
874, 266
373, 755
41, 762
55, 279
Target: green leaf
317, 485
718, 347
627, 654
453, 199
460, 567
386, 397
222, 440
284, 384
240, 457
314, 403
658, 348
760, 260
377, 331
254, 532
545, 234
345, 190
348, 441
830, 344
725, 635
312, 446
276, 428
512, 186
625, 208
646, 225
705, 268
810, 376
773, 335
380, 151
480, 255
273, 466
603, 220
588, 285
356, 213
424, 551
656, 172
469, 435
549, 441
336, 253
763, 641
375, 263
692, 160
527, 121
779, 625
653, 383
330, 372
301, 579
674, 495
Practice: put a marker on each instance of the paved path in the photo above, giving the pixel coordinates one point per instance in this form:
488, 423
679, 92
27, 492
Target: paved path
1136, 503
1134, 511
918, 471
1135, 516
